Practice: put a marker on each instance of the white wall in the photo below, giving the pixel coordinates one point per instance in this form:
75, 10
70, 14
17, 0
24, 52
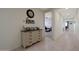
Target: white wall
56, 24
77, 24
39, 15
11, 22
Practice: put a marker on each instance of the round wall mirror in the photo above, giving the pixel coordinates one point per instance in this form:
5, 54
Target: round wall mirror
30, 13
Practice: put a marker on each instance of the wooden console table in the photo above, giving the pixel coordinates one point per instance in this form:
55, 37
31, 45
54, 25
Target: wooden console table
30, 37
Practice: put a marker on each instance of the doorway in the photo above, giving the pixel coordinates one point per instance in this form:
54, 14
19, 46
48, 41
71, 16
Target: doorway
69, 25
48, 24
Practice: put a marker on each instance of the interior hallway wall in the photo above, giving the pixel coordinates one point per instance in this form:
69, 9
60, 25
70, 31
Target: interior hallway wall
11, 22
77, 24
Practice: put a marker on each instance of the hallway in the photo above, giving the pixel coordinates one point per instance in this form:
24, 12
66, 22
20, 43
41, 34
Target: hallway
66, 42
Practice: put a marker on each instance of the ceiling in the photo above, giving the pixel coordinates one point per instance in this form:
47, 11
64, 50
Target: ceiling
45, 9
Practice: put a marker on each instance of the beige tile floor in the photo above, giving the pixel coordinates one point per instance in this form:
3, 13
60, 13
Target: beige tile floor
66, 42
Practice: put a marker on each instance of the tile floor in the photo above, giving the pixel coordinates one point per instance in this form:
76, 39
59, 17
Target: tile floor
66, 42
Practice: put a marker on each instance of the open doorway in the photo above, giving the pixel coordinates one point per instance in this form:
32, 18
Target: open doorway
69, 25
48, 24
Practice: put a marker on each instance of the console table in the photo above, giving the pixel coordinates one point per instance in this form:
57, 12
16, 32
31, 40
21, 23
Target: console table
30, 37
